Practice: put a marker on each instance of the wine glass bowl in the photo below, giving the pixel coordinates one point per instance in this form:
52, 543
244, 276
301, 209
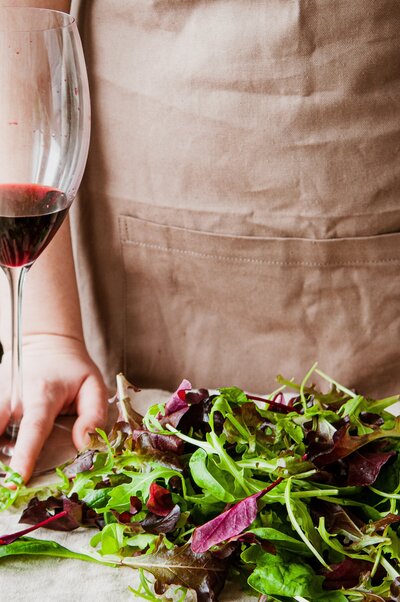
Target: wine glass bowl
44, 103
44, 140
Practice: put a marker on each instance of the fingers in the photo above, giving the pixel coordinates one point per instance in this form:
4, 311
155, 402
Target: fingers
46, 400
36, 424
91, 406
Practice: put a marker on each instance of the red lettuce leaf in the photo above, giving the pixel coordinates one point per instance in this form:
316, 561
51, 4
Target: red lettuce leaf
134, 508
135, 505
147, 441
160, 500
205, 574
323, 452
360, 469
38, 511
382, 523
197, 416
337, 519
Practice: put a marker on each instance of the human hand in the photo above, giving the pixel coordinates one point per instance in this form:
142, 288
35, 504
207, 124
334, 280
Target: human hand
59, 378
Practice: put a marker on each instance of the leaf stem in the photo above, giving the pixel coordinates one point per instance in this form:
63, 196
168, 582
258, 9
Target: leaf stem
314, 493
274, 405
203, 444
303, 384
244, 432
336, 384
229, 463
391, 571
393, 496
296, 525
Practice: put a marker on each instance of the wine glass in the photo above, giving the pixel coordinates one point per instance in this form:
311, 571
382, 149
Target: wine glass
44, 140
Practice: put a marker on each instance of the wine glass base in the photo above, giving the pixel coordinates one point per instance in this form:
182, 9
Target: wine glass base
57, 450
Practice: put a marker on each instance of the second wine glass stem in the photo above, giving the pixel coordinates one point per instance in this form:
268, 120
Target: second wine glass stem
16, 277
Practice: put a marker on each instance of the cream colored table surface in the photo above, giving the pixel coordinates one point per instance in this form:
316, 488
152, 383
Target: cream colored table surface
30, 579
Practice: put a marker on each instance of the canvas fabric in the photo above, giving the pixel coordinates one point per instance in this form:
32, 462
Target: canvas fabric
239, 216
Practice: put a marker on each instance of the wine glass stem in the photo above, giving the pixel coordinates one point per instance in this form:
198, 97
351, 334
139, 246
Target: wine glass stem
16, 277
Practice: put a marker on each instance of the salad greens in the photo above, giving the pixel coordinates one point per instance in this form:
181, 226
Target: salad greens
296, 494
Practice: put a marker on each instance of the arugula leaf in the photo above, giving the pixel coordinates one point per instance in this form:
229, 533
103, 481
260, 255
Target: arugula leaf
203, 477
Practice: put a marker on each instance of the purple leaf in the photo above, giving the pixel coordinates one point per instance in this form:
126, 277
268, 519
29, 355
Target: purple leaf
123, 517
395, 590
161, 524
82, 463
364, 467
177, 401
77, 513
337, 519
196, 418
347, 574
187, 408
372, 420
360, 468
230, 523
7, 539
38, 511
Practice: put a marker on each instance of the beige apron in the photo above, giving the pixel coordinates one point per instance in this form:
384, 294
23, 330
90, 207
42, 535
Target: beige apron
240, 214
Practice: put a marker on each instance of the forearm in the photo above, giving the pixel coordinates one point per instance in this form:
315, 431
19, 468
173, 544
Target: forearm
62, 5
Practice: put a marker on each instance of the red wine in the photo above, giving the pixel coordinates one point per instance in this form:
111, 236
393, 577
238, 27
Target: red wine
30, 215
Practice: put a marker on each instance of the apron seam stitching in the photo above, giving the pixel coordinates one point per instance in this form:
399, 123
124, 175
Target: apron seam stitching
261, 261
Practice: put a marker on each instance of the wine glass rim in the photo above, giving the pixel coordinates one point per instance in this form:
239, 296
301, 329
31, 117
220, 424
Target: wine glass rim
66, 21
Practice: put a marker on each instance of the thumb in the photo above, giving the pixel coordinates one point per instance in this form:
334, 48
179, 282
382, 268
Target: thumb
91, 407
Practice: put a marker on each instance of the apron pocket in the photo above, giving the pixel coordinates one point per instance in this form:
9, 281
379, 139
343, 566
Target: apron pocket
226, 310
